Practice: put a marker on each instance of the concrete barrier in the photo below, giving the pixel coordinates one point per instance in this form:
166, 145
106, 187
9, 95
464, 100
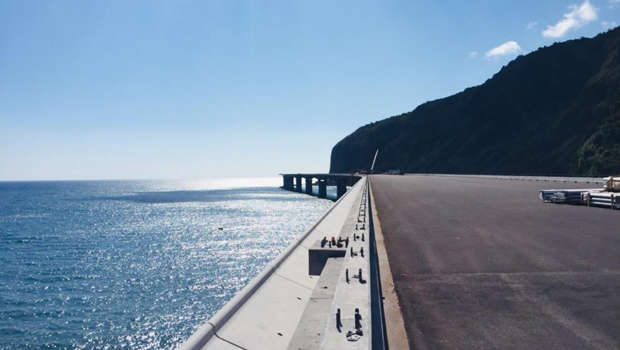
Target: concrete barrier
539, 178
264, 314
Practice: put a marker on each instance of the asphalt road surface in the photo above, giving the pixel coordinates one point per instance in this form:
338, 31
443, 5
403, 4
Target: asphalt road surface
484, 264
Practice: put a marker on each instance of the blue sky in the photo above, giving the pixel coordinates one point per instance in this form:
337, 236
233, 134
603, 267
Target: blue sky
199, 89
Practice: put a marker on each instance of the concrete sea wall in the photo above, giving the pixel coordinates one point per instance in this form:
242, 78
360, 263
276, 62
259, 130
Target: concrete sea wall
266, 313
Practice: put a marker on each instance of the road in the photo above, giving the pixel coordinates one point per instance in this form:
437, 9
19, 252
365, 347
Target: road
483, 264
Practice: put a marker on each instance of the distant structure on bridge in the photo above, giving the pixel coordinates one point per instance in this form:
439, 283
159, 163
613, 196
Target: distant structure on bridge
293, 182
372, 167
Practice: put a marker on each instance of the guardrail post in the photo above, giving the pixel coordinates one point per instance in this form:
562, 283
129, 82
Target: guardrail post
338, 321
379, 332
358, 319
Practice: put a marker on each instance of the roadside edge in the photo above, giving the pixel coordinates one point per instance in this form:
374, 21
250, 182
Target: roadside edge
395, 324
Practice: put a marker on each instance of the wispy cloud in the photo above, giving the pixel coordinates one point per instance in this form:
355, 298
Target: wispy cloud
506, 49
578, 17
532, 25
613, 3
608, 25
473, 54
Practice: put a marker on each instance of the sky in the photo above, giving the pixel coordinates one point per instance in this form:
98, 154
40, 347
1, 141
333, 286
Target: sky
209, 89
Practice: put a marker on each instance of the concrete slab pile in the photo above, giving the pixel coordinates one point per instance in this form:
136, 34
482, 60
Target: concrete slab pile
589, 197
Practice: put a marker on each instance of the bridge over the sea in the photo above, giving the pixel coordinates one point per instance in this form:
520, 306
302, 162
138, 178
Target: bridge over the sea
293, 182
456, 262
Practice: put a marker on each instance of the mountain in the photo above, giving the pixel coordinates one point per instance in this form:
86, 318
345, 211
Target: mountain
555, 111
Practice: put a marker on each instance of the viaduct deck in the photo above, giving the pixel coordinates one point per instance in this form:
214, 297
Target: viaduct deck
482, 263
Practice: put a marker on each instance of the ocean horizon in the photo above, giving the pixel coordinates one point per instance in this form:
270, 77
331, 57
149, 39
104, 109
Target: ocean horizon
135, 264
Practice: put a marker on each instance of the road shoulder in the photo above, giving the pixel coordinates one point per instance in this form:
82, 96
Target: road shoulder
395, 325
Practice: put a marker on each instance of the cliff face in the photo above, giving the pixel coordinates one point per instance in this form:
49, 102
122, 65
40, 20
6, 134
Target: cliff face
554, 111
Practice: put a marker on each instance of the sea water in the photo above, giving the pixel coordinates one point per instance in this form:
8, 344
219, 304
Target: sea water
134, 264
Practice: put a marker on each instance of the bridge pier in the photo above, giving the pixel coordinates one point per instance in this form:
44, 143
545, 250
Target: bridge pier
341, 188
298, 183
322, 188
293, 182
308, 185
288, 183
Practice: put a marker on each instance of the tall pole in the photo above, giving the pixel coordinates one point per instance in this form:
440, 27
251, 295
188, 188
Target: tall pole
372, 167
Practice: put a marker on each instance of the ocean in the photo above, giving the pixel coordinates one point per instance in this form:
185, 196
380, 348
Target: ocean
134, 264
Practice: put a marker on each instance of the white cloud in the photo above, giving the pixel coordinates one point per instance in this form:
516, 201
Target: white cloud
533, 25
473, 54
613, 3
608, 25
505, 49
578, 17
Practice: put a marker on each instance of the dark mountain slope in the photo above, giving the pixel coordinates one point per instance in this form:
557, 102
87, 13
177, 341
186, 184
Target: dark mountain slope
553, 111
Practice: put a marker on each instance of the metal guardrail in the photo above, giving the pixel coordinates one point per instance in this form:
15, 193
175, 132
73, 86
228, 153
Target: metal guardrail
589, 197
537, 178
379, 330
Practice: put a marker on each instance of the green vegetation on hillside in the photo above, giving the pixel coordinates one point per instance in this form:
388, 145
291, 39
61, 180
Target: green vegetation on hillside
554, 111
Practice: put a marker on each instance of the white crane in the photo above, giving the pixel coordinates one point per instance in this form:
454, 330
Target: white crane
372, 167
